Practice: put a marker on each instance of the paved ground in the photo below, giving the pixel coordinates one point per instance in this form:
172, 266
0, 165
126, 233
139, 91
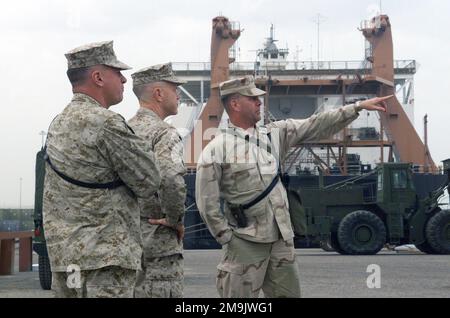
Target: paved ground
322, 274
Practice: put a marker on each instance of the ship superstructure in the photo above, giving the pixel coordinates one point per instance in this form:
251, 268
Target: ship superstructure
299, 89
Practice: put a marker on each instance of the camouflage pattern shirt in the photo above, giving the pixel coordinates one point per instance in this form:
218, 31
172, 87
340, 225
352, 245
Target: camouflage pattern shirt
166, 143
95, 228
238, 165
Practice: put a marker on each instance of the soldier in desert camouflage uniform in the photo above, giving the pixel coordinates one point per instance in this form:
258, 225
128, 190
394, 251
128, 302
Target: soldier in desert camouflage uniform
162, 276
238, 166
96, 169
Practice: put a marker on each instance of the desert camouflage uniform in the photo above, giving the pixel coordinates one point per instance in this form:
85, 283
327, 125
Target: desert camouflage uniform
162, 275
95, 229
237, 166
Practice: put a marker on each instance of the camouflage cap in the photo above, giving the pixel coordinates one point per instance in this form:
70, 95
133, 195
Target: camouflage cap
244, 86
156, 73
94, 54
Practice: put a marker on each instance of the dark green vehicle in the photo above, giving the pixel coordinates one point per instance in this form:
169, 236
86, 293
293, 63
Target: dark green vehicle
39, 245
358, 217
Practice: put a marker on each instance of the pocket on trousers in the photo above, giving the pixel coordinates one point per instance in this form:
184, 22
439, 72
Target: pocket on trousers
237, 269
239, 280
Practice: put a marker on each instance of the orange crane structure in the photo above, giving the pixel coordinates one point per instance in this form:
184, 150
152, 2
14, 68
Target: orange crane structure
375, 78
401, 132
222, 39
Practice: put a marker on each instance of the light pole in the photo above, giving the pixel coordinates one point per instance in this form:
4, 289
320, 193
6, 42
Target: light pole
20, 195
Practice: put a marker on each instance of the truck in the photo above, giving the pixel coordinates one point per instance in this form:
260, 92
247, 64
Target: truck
359, 216
39, 244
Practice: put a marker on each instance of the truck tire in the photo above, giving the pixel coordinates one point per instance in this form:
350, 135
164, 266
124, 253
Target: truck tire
45, 273
335, 244
425, 248
361, 233
438, 232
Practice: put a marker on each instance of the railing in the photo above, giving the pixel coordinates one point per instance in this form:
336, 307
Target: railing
191, 66
405, 64
370, 24
291, 65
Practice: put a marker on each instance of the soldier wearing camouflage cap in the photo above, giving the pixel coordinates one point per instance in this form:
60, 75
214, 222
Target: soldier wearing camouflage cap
96, 168
242, 166
162, 218
244, 86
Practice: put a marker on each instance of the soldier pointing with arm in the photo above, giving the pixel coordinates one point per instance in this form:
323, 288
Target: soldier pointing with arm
96, 170
241, 167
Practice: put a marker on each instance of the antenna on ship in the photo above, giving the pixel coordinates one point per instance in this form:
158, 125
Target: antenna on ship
320, 18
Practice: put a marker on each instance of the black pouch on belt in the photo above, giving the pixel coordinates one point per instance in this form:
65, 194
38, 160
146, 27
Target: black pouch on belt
238, 213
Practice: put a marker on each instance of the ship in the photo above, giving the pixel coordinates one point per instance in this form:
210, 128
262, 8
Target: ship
299, 89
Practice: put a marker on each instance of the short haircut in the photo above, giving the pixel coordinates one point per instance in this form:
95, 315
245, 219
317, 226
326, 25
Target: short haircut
78, 76
227, 99
138, 90
143, 91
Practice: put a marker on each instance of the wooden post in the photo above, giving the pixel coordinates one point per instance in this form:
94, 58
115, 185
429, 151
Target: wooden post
25, 254
7, 249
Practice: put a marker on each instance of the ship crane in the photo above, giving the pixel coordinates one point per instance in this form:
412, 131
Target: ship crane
222, 39
401, 132
376, 78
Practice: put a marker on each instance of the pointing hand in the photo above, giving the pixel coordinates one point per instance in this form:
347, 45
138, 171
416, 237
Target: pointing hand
377, 103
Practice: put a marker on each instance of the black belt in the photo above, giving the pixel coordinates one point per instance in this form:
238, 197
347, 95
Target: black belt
238, 210
263, 194
109, 185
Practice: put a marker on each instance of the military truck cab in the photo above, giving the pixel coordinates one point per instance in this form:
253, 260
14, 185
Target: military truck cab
397, 198
394, 183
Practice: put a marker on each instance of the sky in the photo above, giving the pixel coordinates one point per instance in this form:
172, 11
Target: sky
35, 34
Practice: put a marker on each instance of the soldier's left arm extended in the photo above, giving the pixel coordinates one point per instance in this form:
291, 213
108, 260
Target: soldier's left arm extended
169, 155
320, 126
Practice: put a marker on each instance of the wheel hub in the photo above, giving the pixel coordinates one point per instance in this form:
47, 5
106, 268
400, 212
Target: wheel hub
362, 234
